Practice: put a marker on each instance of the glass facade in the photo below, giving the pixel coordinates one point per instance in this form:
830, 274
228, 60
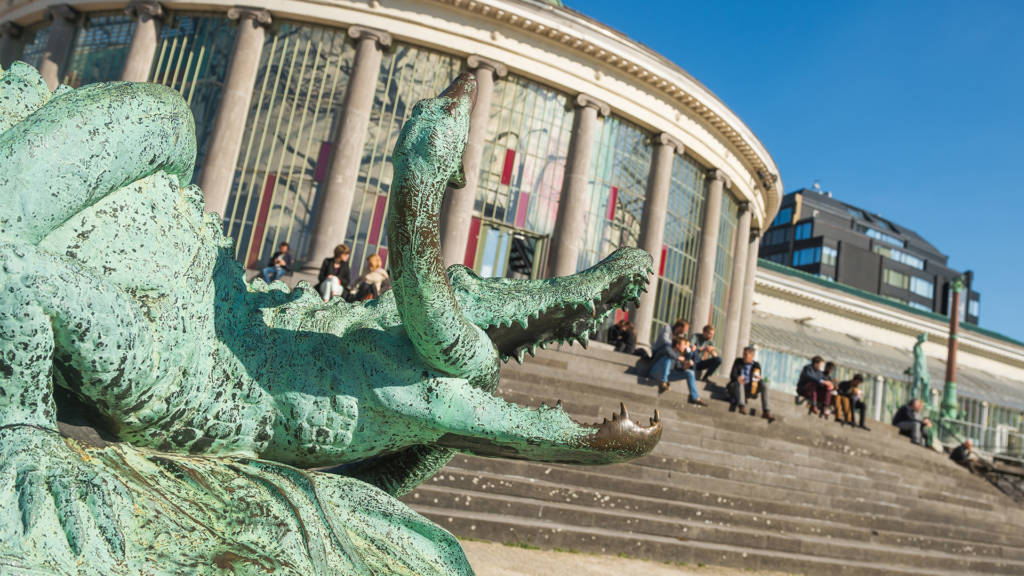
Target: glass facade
677, 263
408, 74
618, 184
100, 49
287, 143
521, 171
192, 58
33, 51
723, 268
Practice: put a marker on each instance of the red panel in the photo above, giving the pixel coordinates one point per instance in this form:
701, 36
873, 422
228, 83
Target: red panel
510, 162
522, 208
474, 232
323, 159
378, 219
261, 221
620, 315
383, 253
613, 199
664, 254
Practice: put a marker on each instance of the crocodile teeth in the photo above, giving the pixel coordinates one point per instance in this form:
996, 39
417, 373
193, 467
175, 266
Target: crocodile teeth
622, 411
519, 355
522, 322
656, 418
583, 341
559, 406
543, 345
532, 350
590, 306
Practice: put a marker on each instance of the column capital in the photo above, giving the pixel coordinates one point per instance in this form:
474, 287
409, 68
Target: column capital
755, 233
382, 38
258, 16
743, 206
588, 101
667, 140
61, 13
476, 62
721, 176
11, 30
768, 179
145, 9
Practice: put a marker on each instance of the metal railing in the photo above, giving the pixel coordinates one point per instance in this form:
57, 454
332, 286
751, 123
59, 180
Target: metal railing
1000, 441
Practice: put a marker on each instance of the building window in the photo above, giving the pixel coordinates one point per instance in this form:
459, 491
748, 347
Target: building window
806, 256
919, 306
894, 278
779, 258
878, 235
829, 255
899, 256
100, 49
856, 213
723, 264
802, 231
785, 216
922, 287
776, 236
974, 308
33, 52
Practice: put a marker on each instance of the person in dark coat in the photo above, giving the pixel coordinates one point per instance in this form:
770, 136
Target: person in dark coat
852, 398
622, 336
910, 422
813, 384
334, 275
279, 265
745, 381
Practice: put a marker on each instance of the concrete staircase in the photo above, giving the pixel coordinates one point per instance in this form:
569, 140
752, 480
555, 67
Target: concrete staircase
802, 495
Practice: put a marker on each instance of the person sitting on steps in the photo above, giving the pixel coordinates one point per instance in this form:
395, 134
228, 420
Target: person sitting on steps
279, 265
851, 398
812, 383
745, 381
675, 358
965, 456
334, 274
622, 336
705, 357
908, 419
373, 282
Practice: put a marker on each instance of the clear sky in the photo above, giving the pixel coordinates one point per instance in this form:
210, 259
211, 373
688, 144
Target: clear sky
910, 109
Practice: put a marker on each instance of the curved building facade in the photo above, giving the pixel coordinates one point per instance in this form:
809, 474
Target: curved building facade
582, 140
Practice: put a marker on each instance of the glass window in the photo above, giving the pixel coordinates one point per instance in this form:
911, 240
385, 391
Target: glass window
919, 306
677, 267
100, 49
829, 255
779, 258
856, 213
723, 267
802, 231
776, 236
877, 235
192, 58
899, 256
618, 184
785, 216
408, 74
524, 155
922, 287
806, 256
974, 308
894, 278
287, 141
33, 51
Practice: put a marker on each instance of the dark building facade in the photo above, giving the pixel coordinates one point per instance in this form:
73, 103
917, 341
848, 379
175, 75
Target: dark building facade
818, 234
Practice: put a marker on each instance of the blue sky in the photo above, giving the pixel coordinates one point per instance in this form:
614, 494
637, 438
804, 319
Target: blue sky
911, 109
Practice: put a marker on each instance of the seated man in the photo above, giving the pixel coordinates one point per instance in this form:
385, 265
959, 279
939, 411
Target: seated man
965, 456
674, 358
908, 419
744, 381
851, 398
279, 265
704, 355
814, 385
622, 336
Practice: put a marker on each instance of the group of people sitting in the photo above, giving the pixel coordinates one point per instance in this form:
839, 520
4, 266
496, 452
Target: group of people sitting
825, 397
691, 356
335, 278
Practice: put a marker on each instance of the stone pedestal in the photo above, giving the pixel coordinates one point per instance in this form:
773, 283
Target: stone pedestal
652, 228
567, 238
139, 62
233, 110
749, 283
331, 222
700, 313
54, 61
457, 209
734, 306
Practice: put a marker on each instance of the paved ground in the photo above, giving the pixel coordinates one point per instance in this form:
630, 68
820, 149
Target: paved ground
490, 559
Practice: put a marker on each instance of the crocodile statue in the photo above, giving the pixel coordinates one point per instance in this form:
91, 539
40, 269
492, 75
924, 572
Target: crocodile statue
161, 415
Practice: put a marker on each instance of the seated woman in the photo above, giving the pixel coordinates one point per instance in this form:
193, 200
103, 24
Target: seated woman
373, 282
622, 335
334, 274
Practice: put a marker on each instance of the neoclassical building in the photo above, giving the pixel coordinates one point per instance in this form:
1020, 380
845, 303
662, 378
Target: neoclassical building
582, 140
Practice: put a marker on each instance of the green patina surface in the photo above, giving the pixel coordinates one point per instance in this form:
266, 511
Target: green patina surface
160, 415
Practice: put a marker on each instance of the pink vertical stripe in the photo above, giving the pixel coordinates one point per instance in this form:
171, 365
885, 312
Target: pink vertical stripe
322, 160
471, 242
620, 315
664, 255
378, 219
522, 208
383, 253
510, 161
613, 198
256, 246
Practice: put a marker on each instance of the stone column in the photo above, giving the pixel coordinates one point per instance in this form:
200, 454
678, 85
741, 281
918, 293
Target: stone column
737, 285
54, 61
12, 43
229, 125
879, 397
652, 227
567, 237
457, 209
749, 283
139, 62
331, 223
700, 313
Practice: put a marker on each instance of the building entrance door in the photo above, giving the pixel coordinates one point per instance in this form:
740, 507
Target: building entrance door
505, 252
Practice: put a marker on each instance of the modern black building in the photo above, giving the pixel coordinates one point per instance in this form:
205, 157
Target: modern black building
818, 234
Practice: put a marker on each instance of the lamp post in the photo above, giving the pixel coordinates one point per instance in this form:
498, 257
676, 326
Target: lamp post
949, 405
